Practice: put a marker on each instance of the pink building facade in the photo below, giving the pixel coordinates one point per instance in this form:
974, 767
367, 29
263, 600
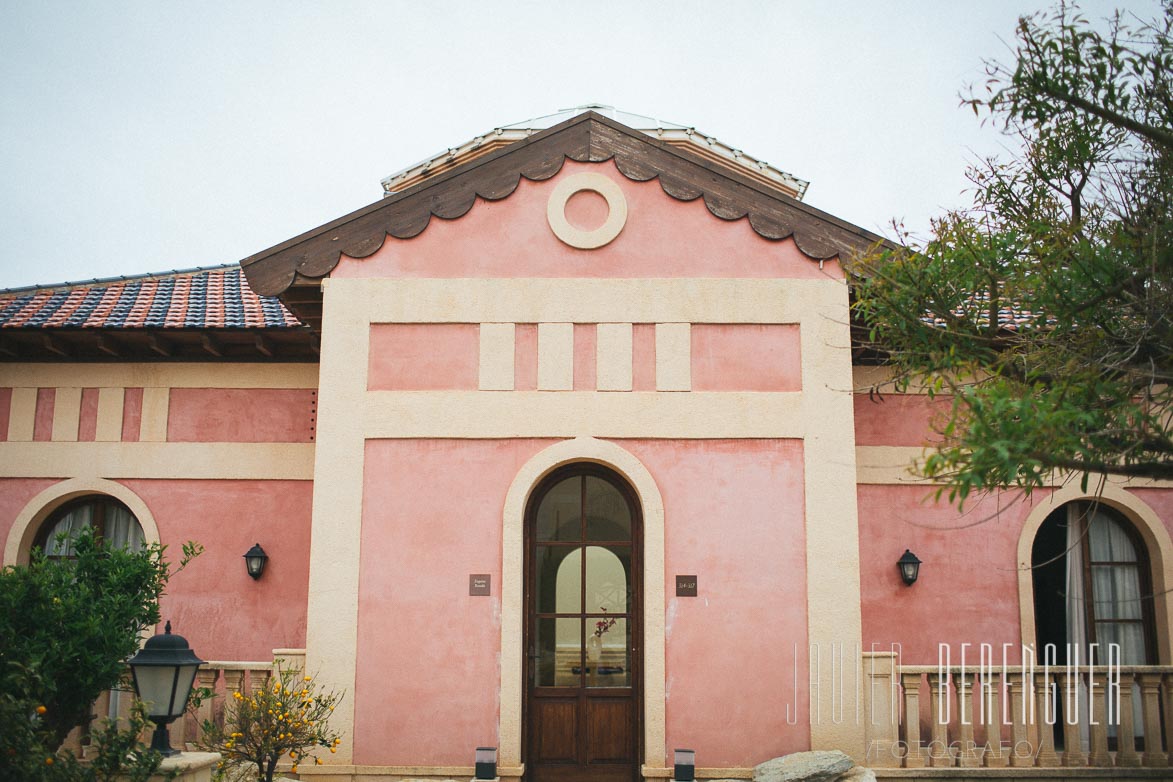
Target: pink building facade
570, 457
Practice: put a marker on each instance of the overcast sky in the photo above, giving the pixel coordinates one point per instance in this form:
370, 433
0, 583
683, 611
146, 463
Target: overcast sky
142, 137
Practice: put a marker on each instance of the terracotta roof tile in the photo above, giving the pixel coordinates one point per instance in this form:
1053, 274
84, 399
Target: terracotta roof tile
216, 298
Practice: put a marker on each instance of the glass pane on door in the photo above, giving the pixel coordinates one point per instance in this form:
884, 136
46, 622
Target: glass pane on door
608, 516
608, 652
560, 514
559, 650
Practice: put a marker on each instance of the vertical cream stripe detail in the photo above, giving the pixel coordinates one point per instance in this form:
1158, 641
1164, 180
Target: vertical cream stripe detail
109, 425
496, 367
555, 356
156, 406
22, 414
673, 357
336, 530
613, 356
66, 414
834, 624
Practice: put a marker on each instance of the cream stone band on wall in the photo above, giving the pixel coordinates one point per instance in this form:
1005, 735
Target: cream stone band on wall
576, 237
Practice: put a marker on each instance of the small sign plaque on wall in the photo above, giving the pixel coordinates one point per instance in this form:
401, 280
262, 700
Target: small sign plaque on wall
686, 586
480, 584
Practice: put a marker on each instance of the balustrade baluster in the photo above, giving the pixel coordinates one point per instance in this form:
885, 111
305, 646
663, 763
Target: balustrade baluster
991, 697
1098, 754
1150, 692
967, 756
1045, 731
940, 754
1021, 749
1126, 754
1070, 698
914, 756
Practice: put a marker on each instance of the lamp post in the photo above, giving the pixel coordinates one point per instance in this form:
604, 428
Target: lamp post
163, 672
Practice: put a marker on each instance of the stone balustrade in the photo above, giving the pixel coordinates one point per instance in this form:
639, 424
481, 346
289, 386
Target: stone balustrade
1016, 716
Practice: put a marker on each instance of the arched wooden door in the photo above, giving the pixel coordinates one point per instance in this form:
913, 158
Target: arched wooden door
583, 628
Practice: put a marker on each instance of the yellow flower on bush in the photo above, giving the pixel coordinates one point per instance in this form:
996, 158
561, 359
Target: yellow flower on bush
41, 710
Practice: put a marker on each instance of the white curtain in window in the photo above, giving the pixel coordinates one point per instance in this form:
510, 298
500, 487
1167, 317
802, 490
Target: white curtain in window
70, 524
122, 529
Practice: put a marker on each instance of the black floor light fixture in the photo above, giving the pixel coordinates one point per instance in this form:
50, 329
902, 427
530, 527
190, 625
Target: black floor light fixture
163, 672
486, 763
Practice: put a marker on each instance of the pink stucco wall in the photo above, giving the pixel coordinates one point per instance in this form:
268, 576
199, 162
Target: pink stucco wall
663, 237
897, 419
213, 603
87, 425
745, 357
734, 519
132, 414
525, 356
43, 420
241, 415
1161, 501
968, 586
585, 345
226, 614
643, 357
5, 412
428, 652
15, 494
424, 356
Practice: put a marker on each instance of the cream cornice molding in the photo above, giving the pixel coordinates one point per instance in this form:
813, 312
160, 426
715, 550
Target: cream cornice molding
892, 464
206, 461
481, 414
169, 375
579, 300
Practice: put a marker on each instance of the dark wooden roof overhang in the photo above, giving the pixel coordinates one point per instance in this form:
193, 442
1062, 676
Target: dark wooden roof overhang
293, 269
83, 345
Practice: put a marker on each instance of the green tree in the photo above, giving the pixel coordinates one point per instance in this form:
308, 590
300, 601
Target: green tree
67, 627
286, 718
1045, 311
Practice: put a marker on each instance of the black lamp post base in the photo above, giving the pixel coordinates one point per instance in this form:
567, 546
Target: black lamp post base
161, 742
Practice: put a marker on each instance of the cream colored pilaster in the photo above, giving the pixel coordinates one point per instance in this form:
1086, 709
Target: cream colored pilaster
613, 356
555, 356
156, 405
832, 535
332, 615
109, 424
22, 414
66, 414
673, 357
496, 363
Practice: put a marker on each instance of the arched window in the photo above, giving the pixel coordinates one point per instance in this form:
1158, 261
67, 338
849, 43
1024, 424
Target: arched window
1093, 585
110, 518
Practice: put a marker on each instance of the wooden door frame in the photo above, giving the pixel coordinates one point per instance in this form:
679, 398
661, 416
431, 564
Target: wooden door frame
637, 612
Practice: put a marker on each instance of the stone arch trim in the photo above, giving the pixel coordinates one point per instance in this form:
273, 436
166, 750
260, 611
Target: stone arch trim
28, 521
610, 455
1148, 525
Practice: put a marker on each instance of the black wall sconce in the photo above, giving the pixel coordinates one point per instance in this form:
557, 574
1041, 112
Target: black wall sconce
909, 567
684, 765
255, 559
486, 763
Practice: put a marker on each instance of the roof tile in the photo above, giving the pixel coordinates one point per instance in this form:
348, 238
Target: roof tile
200, 298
